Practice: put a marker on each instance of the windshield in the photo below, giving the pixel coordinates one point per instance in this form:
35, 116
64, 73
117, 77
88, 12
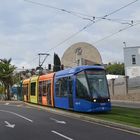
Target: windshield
97, 83
82, 89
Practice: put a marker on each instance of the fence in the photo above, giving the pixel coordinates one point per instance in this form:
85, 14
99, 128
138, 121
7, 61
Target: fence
125, 88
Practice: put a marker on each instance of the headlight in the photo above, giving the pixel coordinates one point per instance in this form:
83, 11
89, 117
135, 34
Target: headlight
94, 100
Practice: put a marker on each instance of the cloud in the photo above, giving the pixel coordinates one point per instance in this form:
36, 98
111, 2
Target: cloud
27, 29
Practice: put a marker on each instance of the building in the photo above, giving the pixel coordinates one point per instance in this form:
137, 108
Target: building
81, 54
132, 61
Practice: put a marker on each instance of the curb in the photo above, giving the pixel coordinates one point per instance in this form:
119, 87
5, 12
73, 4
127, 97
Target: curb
11, 101
105, 123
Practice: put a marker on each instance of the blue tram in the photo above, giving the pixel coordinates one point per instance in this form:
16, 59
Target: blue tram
83, 88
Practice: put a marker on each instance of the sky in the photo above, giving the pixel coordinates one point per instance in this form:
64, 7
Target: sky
30, 27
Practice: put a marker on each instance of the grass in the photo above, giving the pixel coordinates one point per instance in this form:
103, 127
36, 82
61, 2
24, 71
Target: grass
121, 115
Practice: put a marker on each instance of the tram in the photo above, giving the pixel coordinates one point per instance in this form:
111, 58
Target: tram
83, 89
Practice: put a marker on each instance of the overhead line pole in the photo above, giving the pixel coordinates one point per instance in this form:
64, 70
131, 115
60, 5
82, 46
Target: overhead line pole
46, 55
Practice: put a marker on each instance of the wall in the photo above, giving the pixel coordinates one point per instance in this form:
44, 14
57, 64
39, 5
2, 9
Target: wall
118, 86
125, 88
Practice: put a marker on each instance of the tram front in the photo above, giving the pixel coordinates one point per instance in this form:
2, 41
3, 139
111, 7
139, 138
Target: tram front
92, 86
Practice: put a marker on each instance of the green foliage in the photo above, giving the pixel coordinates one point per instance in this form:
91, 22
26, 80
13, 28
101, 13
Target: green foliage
57, 63
1, 89
16, 78
116, 68
6, 74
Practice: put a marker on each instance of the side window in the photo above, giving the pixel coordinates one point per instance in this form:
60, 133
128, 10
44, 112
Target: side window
44, 88
48, 89
49, 92
82, 90
33, 87
70, 85
40, 88
62, 87
25, 89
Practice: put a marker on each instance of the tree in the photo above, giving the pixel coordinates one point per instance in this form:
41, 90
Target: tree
6, 75
1, 89
16, 78
57, 63
116, 68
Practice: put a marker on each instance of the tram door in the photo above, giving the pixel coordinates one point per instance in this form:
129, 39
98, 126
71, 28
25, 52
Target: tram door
40, 92
70, 95
49, 93
27, 93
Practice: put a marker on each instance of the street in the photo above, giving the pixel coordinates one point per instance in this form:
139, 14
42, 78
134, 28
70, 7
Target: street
19, 121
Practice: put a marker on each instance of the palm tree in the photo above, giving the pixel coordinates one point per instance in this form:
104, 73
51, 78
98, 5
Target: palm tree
6, 74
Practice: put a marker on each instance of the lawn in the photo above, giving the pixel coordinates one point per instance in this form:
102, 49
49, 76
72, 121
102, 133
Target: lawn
122, 115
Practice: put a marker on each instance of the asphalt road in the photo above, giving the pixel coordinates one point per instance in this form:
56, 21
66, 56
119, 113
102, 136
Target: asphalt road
22, 122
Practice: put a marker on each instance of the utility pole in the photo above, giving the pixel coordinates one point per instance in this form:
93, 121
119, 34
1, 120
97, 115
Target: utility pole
42, 54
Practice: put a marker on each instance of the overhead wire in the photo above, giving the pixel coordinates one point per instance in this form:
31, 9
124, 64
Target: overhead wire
92, 21
122, 21
123, 29
113, 12
73, 35
77, 14
80, 14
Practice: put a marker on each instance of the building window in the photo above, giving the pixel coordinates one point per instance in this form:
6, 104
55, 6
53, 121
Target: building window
133, 59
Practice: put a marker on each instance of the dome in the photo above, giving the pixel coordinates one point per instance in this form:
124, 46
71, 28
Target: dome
81, 54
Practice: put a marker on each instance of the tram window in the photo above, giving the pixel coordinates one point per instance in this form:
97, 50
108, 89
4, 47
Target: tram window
40, 88
43, 88
33, 87
49, 92
61, 87
48, 89
97, 83
44, 92
82, 90
70, 85
25, 89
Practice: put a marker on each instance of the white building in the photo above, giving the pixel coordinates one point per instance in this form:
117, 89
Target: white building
132, 61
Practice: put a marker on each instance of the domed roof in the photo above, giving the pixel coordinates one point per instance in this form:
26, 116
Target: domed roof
83, 52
